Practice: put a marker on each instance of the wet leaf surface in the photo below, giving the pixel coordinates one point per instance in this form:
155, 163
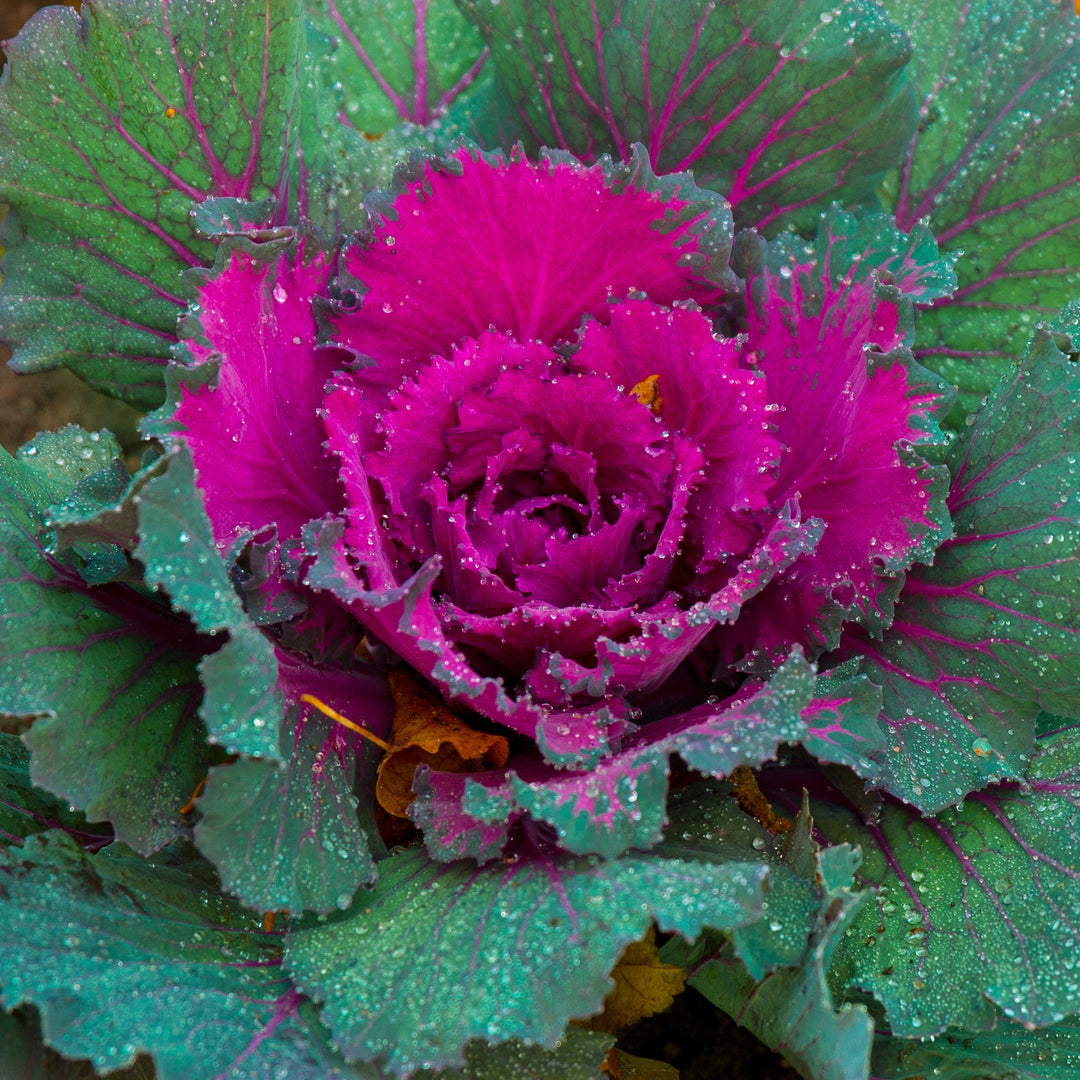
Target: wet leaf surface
109, 674
782, 107
994, 167
122, 954
438, 954
111, 123
987, 636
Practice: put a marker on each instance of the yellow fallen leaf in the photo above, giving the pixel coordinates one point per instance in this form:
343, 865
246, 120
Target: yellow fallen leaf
425, 732
643, 987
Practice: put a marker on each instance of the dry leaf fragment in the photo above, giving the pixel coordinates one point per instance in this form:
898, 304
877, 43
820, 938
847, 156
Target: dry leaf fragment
425, 732
643, 986
751, 800
620, 1065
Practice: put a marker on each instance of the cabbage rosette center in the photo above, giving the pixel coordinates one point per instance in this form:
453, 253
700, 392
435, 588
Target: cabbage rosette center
530, 466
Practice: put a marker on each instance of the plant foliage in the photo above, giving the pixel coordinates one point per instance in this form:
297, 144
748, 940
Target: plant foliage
612, 471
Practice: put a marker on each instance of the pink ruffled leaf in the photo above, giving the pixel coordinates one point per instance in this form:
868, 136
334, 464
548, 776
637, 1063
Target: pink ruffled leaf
706, 396
853, 411
463, 815
418, 413
646, 660
478, 241
252, 434
579, 738
618, 803
404, 619
988, 637
747, 730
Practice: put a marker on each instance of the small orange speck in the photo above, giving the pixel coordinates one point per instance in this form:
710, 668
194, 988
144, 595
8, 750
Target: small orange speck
647, 393
268, 921
374, 136
170, 112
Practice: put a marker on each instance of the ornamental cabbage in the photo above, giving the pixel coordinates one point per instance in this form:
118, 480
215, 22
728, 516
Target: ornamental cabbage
539, 471
584, 515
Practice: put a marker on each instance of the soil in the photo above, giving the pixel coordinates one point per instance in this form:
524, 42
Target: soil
43, 402
704, 1044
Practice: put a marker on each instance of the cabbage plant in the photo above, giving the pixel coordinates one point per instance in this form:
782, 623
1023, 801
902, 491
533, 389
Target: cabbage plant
609, 489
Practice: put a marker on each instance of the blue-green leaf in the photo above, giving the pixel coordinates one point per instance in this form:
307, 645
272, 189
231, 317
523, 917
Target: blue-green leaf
770, 976
990, 634
438, 954
976, 908
109, 673
994, 166
112, 121
123, 955
782, 106
286, 836
242, 707
1009, 1052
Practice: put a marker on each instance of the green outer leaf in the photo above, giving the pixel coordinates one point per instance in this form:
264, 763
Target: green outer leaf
842, 720
792, 1011
59, 461
24, 809
109, 674
176, 548
782, 106
990, 634
849, 250
756, 726
707, 825
391, 79
242, 707
286, 837
441, 953
1009, 1052
627, 811
100, 178
84, 472
23, 1055
770, 977
97, 510
995, 165
401, 62
121, 954
979, 905
577, 1055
